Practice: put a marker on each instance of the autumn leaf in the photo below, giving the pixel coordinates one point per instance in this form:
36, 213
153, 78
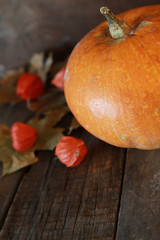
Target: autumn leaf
11, 159
40, 65
48, 101
73, 125
8, 86
52, 101
49, 110
48, 135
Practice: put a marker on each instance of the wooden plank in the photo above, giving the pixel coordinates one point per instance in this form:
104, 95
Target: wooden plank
8, 187
140, 212
55, 202
9, 113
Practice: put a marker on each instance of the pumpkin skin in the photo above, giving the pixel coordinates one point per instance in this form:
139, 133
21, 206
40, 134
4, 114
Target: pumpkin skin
112, 86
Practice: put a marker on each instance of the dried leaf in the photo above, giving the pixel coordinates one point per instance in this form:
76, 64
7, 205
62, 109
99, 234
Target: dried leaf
12, 160
39, 65
47, 140
8, 86
73, 125
48, 135
22, 161
48, 101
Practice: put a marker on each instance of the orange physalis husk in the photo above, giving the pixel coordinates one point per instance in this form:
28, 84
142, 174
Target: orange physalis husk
30, 86
23, 136
70, 151
58, 80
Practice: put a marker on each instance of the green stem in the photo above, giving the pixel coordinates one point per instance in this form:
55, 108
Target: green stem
118, 29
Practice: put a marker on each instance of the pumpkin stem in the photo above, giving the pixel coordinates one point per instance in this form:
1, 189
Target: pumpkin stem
118, 29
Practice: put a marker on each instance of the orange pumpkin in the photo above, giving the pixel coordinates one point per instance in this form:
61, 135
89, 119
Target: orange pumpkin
112, 79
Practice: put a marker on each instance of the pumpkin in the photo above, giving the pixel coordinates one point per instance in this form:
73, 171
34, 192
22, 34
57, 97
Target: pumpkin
112, 79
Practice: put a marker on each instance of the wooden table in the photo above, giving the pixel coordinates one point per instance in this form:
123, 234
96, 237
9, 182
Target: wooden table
113, 194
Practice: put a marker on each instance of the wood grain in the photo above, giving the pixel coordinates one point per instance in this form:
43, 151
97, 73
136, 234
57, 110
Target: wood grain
140, 212
8, 185
8, 188
55, 202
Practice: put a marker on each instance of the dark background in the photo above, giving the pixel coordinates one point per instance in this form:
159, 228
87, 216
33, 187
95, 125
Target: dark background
29, 26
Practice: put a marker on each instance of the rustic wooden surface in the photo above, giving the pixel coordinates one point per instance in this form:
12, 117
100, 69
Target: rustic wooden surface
9, 184
103, 198
140, 206
50, 201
